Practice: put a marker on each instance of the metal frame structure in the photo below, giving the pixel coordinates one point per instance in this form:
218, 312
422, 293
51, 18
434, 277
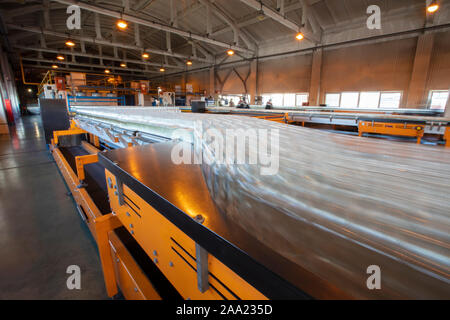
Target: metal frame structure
184, 247
189, 262
366, 122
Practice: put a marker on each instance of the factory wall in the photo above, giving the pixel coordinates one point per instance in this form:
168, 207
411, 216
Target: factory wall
377, 66
439, 74
384, 66
234, 84
198, 80
285, 75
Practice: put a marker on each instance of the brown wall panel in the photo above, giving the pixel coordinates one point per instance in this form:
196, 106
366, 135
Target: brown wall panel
384, 66
285, 75
439, 75
380, 66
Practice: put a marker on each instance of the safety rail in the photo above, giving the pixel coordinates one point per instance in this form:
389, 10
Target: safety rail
47, 80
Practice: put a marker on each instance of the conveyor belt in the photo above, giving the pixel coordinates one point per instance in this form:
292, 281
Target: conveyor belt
95, 178
175, 191
158, 280
354, 115
336, 206
97, 189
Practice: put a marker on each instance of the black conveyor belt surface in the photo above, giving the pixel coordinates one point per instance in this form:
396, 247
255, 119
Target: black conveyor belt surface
95, 178
97, 189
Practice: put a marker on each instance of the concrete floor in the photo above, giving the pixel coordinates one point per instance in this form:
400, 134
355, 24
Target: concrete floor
41, 233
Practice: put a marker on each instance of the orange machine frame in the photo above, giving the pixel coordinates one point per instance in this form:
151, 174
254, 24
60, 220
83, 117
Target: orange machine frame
172, 251
119, 269
447, 137
394, 129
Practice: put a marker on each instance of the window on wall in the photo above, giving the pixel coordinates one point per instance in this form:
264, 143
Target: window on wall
286, 99
349, 99
301, 99
390, 100
289, 100
438, 99
364, 100
369, 100
333, 100
277, 100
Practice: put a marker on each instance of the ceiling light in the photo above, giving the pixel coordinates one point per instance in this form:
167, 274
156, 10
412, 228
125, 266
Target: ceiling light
123, 65
299, 36
230, 52
30, 90
145, 55
54, 66
70, 43
433, 7
261, 16
162, 70
189, 62
60, 57
107, 71
122, 25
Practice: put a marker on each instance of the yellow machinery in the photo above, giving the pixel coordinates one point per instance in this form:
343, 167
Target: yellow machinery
156, 223
159, 233
364, 122
393, 129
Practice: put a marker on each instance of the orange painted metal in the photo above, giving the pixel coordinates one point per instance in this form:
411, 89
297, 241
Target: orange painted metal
173, 252
132, 281
89, 147
447, 137
98, 224
81, 161
70, 132
394, 129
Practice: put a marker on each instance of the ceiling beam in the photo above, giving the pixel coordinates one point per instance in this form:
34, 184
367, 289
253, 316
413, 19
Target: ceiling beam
308, 15
101, 42
151, 24
220, 12
142, 5
93, 56
89, 65
276, 16
30, 66
24, 10
271, 13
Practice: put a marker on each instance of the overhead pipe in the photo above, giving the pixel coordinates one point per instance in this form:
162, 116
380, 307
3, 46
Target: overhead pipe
23, 76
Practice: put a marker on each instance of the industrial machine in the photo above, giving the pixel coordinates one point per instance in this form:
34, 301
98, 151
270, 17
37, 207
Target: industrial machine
337, 207
407, 123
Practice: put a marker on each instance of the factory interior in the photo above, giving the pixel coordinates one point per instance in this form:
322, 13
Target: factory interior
224, 150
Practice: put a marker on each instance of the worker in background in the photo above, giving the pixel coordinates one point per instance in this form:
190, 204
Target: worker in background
243, 104
269, 105
209, 101
232, 105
